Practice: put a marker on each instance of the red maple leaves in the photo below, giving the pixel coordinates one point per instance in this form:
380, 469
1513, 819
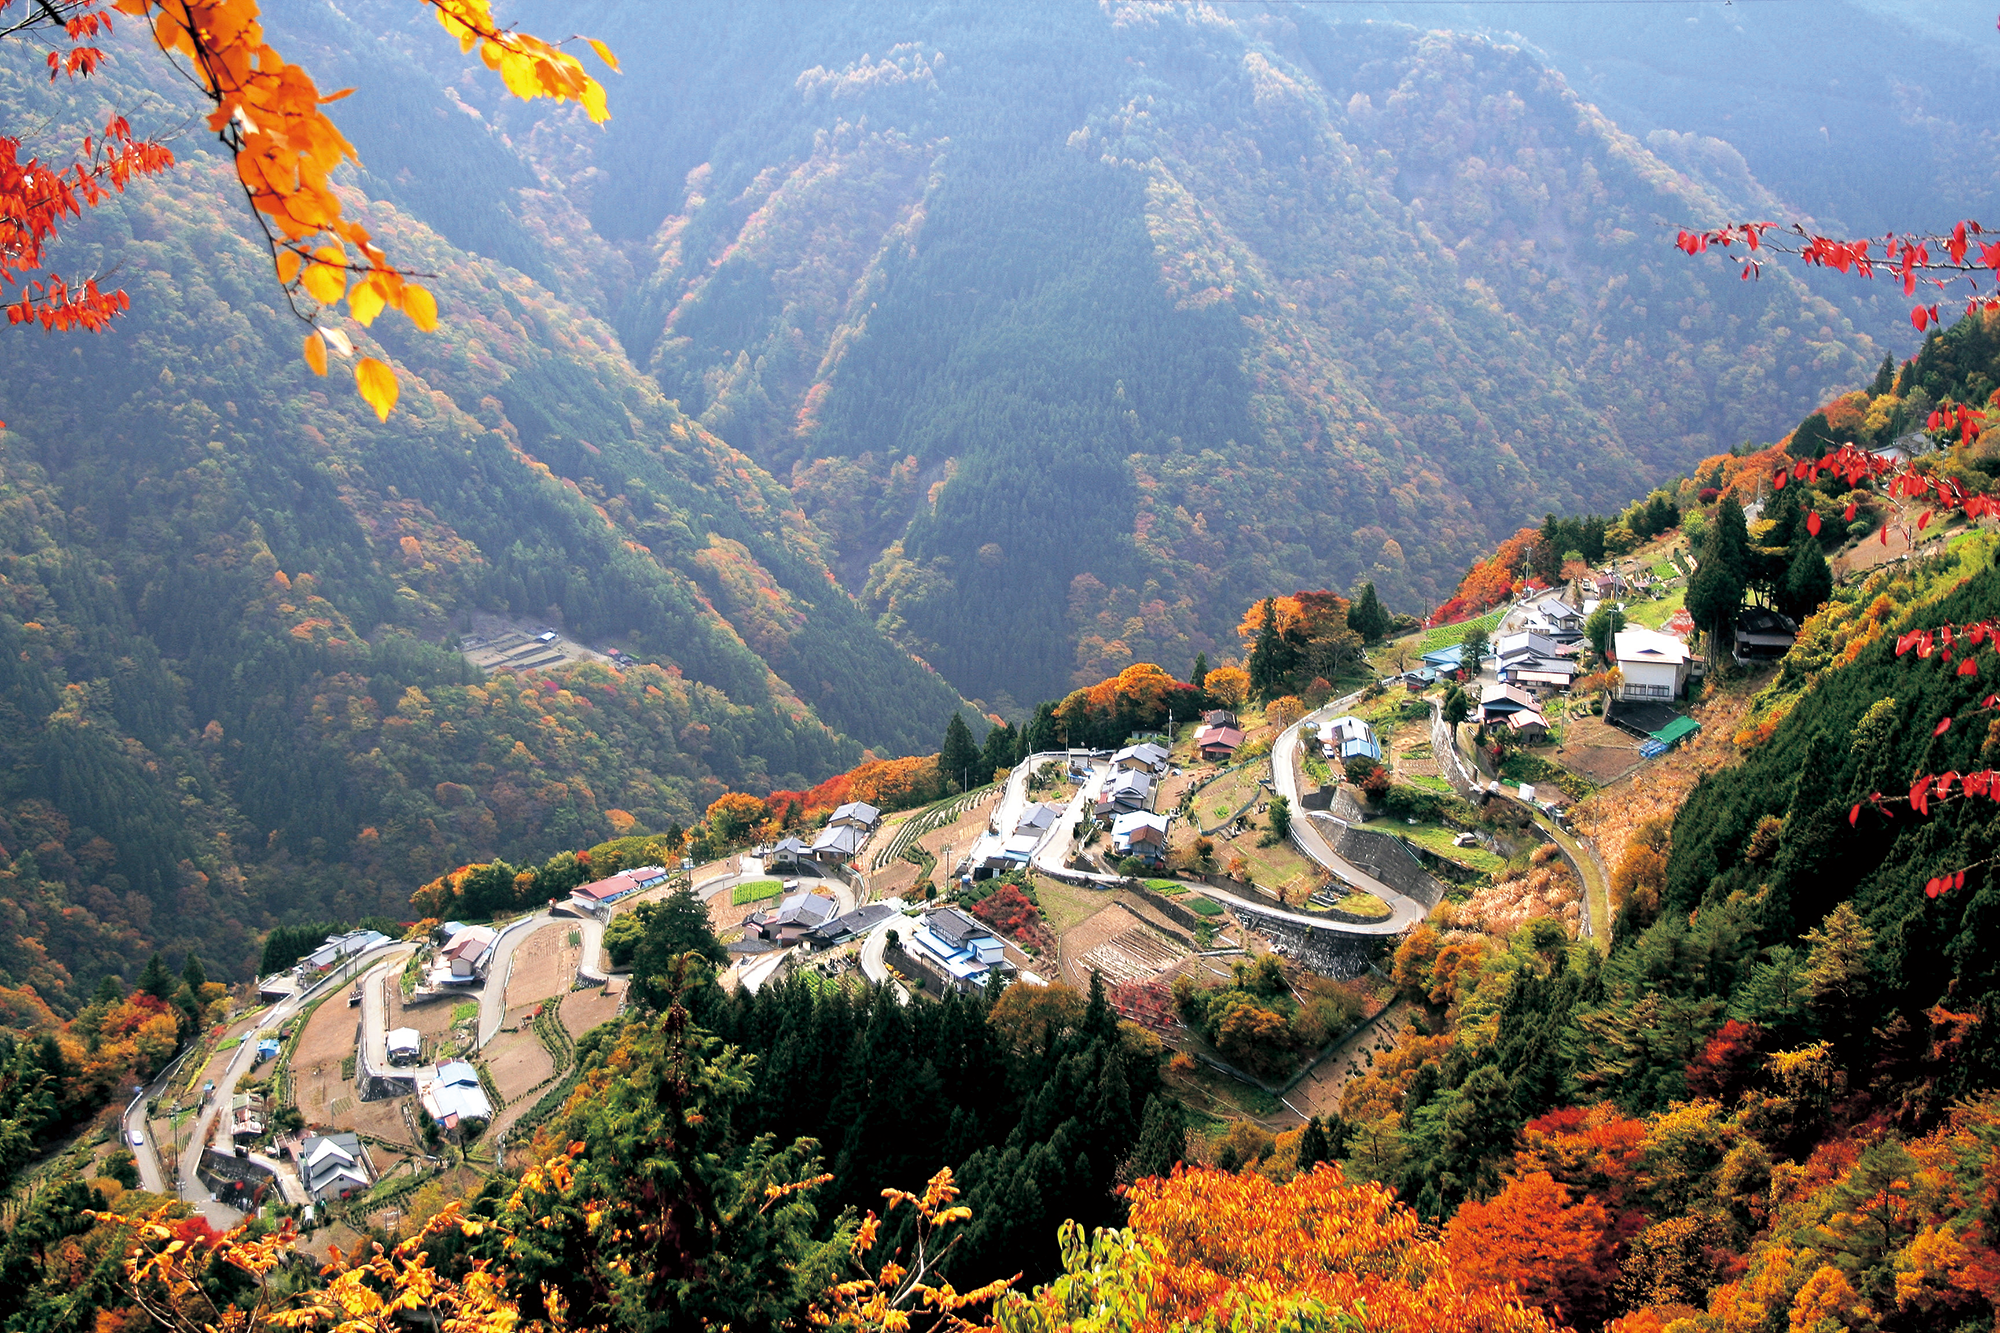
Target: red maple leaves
1861, 469
35, 198
1911, 260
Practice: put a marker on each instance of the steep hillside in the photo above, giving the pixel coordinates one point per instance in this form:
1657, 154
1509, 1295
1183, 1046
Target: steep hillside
1072, 332
224, 585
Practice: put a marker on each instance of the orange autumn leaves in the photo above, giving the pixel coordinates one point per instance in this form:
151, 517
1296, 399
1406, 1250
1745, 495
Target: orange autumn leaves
268, 112
1209, 1249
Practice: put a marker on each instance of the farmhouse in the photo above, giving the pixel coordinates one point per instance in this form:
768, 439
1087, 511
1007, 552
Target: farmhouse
1654, 665
338, 947
463, 961
1501, 701
453, 1095
332, 1166
1762, 635
837, 843
1145, 757
1218, 742
1348, 737
1142, 834
1124, 791
793, 917
958, 950
597, 897
855, 814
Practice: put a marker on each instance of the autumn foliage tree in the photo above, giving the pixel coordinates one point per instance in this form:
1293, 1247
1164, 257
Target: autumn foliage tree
1207, 1249
267, 112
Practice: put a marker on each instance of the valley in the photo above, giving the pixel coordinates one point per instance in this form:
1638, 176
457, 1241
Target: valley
1147, 665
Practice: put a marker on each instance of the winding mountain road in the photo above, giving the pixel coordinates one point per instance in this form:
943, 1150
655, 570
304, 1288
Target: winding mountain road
1404, 912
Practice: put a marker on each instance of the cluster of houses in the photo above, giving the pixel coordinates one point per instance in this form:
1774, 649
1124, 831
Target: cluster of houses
329, 955
847, 830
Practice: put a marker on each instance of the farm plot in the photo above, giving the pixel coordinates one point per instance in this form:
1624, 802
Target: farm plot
1135, 954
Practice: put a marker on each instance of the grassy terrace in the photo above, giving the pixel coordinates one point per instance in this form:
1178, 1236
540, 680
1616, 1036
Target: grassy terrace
756, 891
1654, 615
1443, 636
1438, 838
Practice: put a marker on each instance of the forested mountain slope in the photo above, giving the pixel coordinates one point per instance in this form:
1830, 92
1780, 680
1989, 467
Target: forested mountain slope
225, 582
1105, 320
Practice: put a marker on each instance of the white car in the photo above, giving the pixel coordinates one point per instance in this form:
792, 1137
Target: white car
138, 1139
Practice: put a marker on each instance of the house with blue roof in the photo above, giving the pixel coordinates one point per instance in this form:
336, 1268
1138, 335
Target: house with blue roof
1348, 737
958, 950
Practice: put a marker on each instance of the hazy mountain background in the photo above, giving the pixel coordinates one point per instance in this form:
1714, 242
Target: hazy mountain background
1029, 340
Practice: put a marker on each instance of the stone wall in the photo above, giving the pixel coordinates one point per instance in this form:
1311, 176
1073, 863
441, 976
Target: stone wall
1388, 858
1324, 949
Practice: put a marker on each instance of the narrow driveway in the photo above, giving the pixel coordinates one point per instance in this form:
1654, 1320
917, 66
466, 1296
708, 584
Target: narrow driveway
873, 967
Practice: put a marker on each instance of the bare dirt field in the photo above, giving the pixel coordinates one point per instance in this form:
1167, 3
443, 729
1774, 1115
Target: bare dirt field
1318, 1093
1601, 753
518, 1061
542, 967
329, 1099
585, 1009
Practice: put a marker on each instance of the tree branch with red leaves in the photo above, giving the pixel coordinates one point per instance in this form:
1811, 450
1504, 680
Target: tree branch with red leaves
1914, 259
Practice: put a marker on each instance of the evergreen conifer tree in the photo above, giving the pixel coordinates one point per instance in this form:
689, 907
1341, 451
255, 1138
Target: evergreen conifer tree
1366, 617
958, 757
1313, 1147
1199, 678
156, 981
1265, 653
1885, 378
194, 974
1162, 1139
1808, 579
997, 752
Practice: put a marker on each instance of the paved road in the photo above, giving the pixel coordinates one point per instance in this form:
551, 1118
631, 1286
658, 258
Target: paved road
1054, 848
876, 941
152, 1175
375, 1013
1403, 912
493, 994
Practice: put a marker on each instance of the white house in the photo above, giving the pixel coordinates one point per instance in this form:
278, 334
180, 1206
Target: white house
1654, 665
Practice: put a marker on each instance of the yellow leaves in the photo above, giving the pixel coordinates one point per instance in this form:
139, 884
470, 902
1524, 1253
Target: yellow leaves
603, 52
377, 384
267, 111
421, 307
325, 278
365, 302
529, 66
